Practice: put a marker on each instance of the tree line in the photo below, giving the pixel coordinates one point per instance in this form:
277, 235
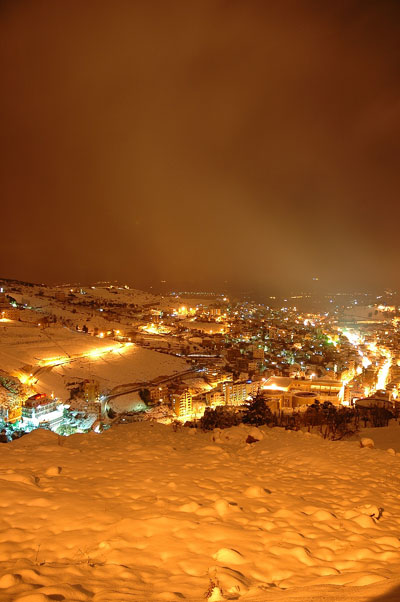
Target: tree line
332, 422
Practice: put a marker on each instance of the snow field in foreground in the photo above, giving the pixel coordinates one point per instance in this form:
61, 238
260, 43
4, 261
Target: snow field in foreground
145, 513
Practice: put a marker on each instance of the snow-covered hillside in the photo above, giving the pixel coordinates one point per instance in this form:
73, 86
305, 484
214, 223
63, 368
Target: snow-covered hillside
26, 344
43, 296
134, 365
145, 513
23, 345
119, 294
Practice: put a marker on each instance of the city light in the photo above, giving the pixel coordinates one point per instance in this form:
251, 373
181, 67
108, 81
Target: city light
366, 362
155, 329
383, 374
93, 353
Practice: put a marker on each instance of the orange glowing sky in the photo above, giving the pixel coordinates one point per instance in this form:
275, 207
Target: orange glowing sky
249, 144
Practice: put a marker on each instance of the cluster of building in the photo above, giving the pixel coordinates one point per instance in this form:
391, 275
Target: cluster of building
35, 411
283, 392
20, 414
237, 349
293, 358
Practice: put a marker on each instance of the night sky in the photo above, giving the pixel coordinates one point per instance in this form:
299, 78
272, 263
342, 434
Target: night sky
212, 144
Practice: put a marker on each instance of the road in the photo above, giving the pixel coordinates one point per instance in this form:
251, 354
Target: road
155, 382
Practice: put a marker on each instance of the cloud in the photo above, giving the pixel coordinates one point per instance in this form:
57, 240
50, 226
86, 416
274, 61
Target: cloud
201, 142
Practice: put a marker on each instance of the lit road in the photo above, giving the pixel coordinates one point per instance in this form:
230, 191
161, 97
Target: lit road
96, 353
47, 364
375, 351
383, 374
156, 382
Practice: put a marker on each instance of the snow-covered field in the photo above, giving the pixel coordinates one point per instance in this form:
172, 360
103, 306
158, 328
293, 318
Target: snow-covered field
43, 296
134, 365
119, 295
387, 437
85, 308
145, 513
27, 345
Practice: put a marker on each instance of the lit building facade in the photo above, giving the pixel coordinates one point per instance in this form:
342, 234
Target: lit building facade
236, 393
182, 404
285, 392
42, 411
92, 403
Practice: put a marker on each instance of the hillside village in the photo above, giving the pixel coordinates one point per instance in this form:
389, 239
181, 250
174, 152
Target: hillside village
76, 358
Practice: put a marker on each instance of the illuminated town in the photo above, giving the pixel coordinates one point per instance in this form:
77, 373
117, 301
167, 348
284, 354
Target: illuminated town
230, 352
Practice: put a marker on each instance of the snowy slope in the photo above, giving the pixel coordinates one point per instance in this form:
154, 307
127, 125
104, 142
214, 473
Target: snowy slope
27, 345
43, 296
386, 437
120, 295
22, 344
145, 513
136, 365
78, 309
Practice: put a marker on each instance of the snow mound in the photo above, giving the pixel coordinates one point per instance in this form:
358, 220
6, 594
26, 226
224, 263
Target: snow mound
255, 492
367, 442
226, 555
